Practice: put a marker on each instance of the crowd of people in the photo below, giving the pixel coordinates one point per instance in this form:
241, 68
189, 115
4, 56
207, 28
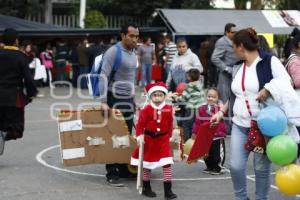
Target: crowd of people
242, 66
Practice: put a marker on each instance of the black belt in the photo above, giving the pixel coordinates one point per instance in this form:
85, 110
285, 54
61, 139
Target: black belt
154, 134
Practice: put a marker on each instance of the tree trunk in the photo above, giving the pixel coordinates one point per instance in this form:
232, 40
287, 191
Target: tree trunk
293, 5
240, 4
256, 5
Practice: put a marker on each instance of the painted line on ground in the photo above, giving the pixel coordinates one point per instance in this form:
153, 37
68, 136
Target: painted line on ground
39, 158
44, 163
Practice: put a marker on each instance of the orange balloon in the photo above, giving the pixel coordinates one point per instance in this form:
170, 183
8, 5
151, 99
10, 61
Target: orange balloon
287, 179
188, 146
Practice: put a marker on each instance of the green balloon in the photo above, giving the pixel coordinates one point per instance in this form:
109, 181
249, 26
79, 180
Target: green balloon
282, 150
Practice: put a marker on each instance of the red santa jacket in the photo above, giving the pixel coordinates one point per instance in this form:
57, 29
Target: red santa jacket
157, 120
204, 114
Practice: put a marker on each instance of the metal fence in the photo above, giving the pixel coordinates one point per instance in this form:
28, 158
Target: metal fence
73, 20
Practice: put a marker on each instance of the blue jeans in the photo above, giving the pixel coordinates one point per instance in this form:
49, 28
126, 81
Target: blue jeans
298, 128
238, 167
146, 74
166, 72
187, 124
83, 71
61, 74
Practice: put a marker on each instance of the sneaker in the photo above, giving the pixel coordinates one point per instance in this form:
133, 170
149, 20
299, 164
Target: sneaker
2, 142
128, 176
216, 172
40, 95
115, 182
207, 171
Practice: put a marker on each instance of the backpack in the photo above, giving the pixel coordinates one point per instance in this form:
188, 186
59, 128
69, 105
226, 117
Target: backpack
93, 78
295, 75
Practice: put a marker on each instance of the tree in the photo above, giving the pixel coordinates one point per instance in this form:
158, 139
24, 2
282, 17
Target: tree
260, 4
197, 4
129, 7
143, 8
240, 4
288, 4
256, 5
94, 19
20, 8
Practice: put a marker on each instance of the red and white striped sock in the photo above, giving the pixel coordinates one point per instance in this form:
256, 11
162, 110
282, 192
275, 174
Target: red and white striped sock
167, 172
146, 174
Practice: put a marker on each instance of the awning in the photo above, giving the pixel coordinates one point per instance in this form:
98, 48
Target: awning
212, 22
28, 28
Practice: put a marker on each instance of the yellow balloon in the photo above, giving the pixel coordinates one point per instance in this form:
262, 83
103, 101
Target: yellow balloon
132, 169
188, 146
287, 179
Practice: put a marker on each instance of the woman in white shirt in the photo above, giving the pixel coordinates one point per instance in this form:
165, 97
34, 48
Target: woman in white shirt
257, 69
183, 61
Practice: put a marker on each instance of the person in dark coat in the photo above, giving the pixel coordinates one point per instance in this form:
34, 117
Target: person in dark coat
15, 77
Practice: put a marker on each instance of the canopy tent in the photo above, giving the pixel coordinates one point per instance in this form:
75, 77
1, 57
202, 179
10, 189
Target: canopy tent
212, 22
28, 29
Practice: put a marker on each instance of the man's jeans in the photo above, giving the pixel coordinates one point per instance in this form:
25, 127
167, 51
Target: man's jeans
238, 167
146, 74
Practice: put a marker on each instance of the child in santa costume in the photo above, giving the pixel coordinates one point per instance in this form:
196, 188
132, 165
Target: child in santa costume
156, 123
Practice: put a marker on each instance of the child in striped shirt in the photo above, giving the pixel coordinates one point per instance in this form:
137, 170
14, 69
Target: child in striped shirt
192, 97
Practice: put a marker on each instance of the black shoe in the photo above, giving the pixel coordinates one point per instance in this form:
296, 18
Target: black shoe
114, 182
147, 191
130, 175
168, 191
2, 142
207, 171
216, 171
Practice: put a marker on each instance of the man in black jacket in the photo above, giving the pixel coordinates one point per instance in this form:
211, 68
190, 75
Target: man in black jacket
15, 76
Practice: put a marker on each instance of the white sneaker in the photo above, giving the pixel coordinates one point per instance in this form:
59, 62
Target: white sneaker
40, 95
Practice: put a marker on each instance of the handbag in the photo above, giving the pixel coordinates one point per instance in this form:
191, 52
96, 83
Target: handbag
156, 72
255, 140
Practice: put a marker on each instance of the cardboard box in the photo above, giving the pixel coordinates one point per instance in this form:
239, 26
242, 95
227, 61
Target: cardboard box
89, 137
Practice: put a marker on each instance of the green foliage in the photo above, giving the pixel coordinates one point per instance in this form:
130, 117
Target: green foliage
20, 8
143, 8
94, 19
279, 4
197, 4
287, 4
240, 4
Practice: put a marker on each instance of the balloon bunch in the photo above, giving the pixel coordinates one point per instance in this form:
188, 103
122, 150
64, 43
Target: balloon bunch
281, 149
180, 88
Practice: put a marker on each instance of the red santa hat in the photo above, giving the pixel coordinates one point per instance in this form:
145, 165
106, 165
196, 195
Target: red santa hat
153, 87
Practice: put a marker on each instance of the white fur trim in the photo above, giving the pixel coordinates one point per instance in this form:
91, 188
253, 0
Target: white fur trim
153, 165
157, 88
158, 107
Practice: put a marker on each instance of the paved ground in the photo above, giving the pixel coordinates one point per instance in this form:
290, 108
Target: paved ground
31, 168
